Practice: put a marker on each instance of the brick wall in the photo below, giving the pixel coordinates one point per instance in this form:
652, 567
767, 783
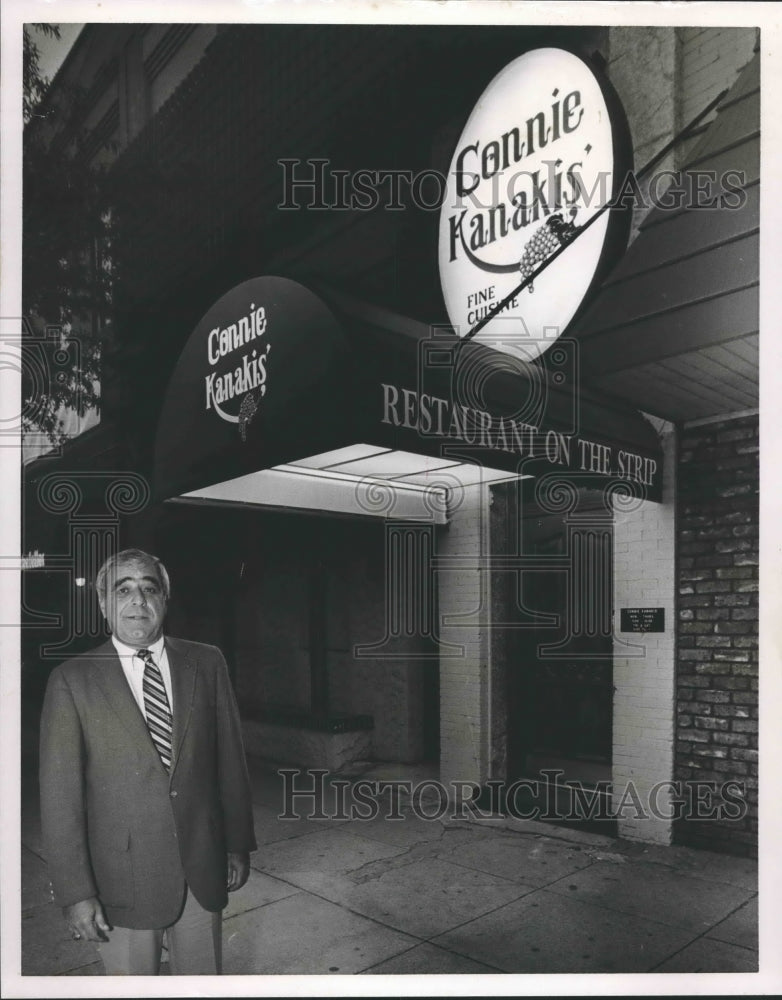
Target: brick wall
644, 576
642, 67
717, 661
666, 76
709, 60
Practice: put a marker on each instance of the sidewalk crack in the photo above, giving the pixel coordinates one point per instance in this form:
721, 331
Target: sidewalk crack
378, 867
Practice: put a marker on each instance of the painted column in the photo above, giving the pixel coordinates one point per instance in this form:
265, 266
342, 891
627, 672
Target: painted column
644, 666
464, 614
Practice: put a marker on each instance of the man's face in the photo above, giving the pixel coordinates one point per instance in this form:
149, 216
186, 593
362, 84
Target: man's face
135, 603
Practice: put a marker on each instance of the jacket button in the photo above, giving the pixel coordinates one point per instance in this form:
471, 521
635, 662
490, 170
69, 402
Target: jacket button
173, 795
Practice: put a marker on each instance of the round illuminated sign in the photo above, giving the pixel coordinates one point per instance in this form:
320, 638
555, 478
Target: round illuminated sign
537, 158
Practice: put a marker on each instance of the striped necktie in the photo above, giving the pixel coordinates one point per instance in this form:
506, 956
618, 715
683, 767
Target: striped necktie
156, 707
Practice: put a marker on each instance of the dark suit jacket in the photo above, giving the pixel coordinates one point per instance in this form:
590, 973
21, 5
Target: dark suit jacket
115, 824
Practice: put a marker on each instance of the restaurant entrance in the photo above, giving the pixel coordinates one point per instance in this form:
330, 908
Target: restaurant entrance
560, 676
351, 415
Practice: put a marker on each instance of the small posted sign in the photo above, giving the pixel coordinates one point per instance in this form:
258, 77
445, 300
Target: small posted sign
642, 620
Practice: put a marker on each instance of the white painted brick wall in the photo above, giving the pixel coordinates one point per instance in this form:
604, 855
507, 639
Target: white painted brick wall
709, 60
642, 68
464, 616
665, 76
644, 679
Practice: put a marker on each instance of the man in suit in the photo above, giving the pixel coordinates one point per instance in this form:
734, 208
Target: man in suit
145, 798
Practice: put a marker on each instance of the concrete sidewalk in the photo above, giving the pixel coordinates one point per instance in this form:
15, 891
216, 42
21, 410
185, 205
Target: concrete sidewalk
442, 896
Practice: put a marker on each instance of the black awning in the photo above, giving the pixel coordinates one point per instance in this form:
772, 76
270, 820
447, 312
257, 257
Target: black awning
274, 374
422, 389
259, 382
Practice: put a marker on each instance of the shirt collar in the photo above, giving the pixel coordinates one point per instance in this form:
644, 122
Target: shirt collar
156, 648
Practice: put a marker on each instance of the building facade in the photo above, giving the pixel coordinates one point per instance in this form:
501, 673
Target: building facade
492, 624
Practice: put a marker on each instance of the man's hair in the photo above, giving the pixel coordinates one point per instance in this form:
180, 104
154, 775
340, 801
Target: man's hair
130, 555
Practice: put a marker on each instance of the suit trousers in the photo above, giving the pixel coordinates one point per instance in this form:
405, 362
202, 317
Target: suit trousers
194, 944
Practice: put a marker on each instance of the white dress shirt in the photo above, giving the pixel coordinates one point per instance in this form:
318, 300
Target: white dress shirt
133, 668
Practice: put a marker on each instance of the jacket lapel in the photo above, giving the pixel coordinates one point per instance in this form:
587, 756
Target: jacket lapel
184, 670
111, 678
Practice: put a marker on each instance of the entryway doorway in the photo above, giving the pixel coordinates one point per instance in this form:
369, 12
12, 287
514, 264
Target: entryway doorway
560, 671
